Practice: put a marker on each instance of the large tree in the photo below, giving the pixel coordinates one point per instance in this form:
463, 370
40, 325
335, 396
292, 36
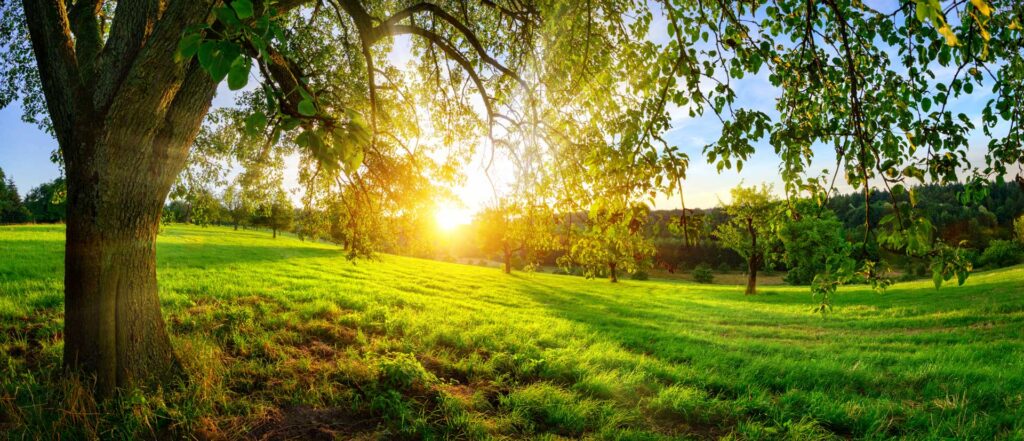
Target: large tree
124, 87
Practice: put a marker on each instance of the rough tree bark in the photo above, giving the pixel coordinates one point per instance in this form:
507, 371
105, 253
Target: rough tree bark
612, 276
125, 114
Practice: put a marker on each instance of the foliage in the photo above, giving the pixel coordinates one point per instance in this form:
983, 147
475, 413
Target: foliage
614, 242
1018, 228
752, 230
1002, 253
48, 201
236, 205
702, 274
860, 80
276, 212
515, 227
12, 211
808, 243
754, 221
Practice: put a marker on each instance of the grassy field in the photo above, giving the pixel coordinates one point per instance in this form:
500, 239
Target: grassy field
285, 339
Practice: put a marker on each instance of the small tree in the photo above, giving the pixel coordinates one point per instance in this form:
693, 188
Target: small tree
238, 208
752, 230
276, 213
281, 212
614, 242
516, 227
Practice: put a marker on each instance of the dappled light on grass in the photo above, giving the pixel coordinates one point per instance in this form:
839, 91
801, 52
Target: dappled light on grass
282, 338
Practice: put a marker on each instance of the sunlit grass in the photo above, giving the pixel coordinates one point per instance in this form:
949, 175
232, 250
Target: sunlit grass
289, 338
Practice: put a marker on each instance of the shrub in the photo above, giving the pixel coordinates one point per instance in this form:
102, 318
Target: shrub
1001, 253
809, 243
722, 267
403, 371
639, 275
702, 274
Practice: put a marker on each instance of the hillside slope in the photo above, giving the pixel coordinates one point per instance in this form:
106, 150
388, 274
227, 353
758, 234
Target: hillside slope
289, 339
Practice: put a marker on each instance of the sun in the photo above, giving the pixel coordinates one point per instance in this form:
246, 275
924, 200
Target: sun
450, 217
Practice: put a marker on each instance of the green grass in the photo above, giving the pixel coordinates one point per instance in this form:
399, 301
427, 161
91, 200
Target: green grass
284, 338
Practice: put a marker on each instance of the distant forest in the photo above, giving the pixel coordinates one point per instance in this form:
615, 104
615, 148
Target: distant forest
977, 225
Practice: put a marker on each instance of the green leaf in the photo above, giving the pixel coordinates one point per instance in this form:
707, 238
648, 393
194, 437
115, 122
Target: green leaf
238, 75
188, 46
243, 8
255, 123
307, 108
937, 278
206, 53
354, 160
226, 15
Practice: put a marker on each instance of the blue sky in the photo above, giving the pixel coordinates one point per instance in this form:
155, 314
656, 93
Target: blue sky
25, 150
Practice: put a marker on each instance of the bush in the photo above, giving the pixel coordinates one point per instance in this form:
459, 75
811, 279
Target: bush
1001, 253
722, 267
639, 275
702, 274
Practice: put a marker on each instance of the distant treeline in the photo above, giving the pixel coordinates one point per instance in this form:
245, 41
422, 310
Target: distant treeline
43, 204
976, 225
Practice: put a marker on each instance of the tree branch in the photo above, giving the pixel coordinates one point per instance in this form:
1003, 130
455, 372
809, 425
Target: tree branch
132, 25
53, 45
389, 28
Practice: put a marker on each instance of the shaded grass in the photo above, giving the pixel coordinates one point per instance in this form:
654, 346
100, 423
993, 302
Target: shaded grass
285, 339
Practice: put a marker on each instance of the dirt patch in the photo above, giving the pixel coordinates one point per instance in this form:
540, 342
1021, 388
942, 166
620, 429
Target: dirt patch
333, 335
674, 426
442, 370
307, 423
461, 392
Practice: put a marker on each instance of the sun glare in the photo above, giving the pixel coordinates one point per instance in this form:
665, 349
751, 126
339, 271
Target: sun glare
449, 217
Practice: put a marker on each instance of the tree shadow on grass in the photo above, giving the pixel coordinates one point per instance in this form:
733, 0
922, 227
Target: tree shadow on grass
36, 260
638, 328
206, 255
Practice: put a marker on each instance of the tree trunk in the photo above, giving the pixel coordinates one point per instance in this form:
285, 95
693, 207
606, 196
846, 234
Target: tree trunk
275, 232
113, 329
753, 261
751, 276
236, 226
611, 273
507, 254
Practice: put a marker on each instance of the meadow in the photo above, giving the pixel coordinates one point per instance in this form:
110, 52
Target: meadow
284, 339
